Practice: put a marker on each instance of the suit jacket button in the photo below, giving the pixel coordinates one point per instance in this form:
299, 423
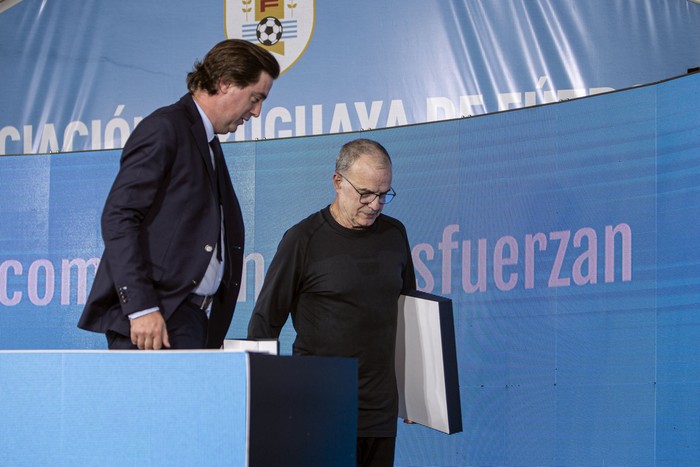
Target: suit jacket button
208, 248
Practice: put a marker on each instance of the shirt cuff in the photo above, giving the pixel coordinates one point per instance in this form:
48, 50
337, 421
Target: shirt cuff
141, 313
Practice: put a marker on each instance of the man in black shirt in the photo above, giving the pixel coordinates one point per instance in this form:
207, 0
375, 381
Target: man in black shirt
339, 273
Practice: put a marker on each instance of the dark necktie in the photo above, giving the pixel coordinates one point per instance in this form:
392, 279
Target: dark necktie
219, 169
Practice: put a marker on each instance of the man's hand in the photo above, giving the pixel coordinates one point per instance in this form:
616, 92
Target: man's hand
148, 332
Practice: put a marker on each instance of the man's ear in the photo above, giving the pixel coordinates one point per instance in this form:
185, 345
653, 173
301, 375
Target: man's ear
336, 180
223, 87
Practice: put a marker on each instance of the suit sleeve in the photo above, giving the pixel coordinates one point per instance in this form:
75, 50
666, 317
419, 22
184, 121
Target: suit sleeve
144, 166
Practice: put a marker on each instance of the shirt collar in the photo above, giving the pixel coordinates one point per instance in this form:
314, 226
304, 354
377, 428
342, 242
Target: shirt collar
208, 127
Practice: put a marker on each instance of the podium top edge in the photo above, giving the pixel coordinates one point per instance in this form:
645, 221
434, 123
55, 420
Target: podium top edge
120, 352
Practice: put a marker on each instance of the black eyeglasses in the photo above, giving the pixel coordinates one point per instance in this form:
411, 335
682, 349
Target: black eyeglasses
367, 198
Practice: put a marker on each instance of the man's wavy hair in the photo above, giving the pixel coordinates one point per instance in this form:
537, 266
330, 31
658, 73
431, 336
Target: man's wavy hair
233, 61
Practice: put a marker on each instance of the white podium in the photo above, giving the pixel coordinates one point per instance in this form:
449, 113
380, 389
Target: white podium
176, 408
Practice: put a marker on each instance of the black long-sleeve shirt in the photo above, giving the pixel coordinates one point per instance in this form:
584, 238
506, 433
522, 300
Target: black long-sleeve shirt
341, 287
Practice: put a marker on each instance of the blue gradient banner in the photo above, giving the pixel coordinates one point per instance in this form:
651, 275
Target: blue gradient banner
565, 234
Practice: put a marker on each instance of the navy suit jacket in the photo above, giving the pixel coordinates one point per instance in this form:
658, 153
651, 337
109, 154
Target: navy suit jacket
160, 223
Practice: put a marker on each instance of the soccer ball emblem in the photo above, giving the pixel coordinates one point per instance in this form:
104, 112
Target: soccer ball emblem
269, 31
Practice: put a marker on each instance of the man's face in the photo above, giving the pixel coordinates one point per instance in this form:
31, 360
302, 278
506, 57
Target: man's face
236, 105
368, 175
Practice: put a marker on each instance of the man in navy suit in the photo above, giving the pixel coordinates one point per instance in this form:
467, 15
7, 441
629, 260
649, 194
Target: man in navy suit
172, 226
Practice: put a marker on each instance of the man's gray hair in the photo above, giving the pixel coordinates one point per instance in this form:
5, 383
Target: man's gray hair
352, 150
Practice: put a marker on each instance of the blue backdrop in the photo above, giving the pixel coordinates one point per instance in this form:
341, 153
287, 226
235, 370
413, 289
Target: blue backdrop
565, 235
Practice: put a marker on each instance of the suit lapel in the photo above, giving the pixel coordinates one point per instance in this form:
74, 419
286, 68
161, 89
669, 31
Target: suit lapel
200, 138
